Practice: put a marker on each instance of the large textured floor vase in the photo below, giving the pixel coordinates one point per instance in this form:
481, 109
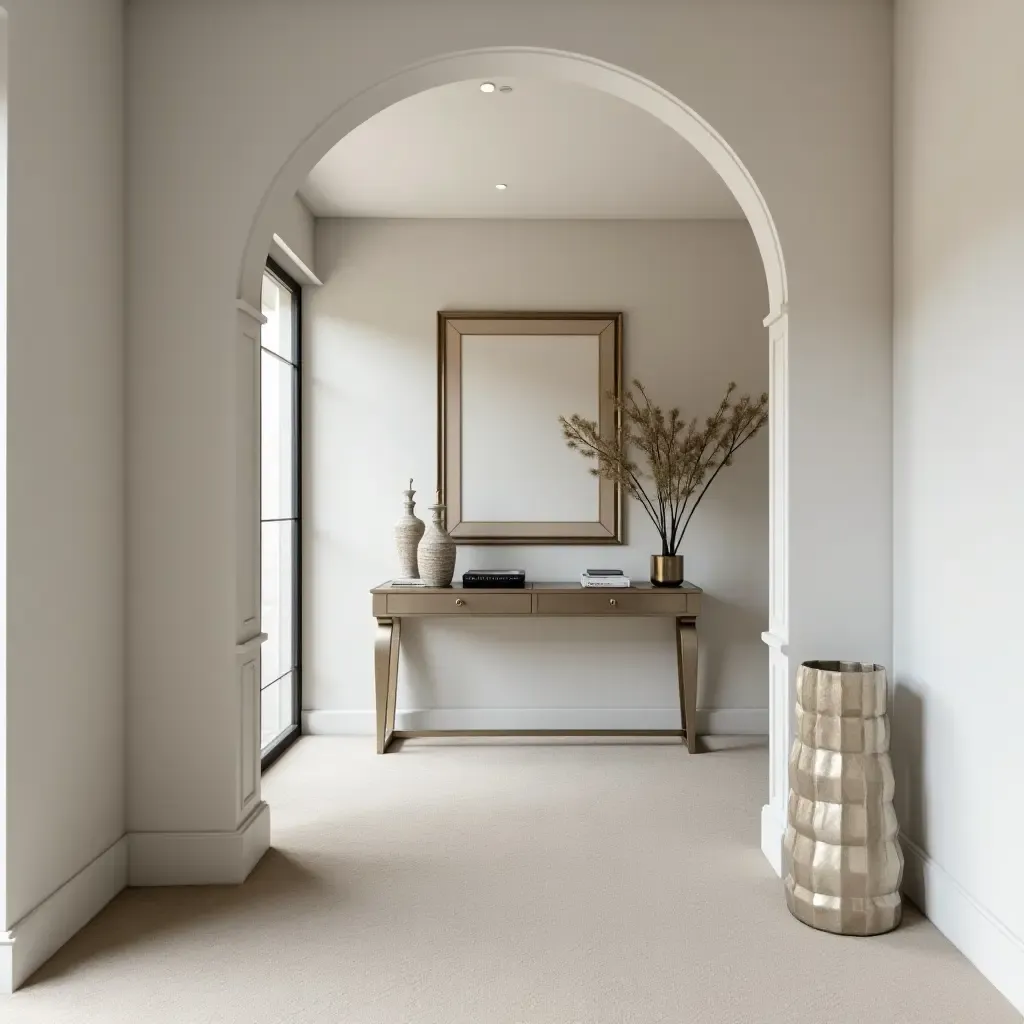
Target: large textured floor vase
842, 859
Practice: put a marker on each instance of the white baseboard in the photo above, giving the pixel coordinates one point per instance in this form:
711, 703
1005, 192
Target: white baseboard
975, 931
732, 721
43, 930
772, 830
199, 858
711, 721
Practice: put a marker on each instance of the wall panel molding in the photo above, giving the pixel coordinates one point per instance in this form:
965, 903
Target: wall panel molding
248, 435
773, 814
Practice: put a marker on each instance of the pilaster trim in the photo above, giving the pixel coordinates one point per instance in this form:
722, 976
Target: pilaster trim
250, 311
253, 643
778, 641
776, 315
44, 929
199, 858
985, 940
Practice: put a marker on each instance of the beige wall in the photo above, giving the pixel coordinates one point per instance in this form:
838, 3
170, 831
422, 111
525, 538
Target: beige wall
693, 295
65, 694
203, 157
959, 469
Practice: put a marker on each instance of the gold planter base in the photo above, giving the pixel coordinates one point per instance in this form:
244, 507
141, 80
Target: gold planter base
667, 570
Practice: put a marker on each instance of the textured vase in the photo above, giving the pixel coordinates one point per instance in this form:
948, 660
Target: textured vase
408, 531
841, 855
437, 551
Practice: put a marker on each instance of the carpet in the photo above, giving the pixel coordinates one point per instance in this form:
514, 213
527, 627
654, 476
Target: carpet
496, 882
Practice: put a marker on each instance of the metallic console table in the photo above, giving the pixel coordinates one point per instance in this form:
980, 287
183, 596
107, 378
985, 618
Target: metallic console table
392, 604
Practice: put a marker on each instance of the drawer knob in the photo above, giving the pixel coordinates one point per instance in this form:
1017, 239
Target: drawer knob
612, 601
459, 601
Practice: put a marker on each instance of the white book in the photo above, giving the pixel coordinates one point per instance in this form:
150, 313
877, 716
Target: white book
408, 582
619, 582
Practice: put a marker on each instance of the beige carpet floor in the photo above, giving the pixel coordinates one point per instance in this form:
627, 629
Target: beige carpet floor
501, 883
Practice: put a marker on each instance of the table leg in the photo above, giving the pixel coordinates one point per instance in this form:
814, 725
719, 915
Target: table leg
686, 657
385, 670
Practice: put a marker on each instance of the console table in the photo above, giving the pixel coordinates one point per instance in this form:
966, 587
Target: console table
391, 604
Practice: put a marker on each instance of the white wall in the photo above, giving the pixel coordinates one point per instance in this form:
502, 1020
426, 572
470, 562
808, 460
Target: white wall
801, 91
693, 295
4, 69
959, 470
65, 693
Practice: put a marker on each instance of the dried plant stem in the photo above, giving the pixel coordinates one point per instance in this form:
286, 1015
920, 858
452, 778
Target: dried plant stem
683, 459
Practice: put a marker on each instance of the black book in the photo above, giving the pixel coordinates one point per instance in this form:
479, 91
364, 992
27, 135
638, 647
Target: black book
509, 579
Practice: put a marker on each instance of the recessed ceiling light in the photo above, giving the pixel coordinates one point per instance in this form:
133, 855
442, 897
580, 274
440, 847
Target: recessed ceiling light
501, 186
487, 87
505, 88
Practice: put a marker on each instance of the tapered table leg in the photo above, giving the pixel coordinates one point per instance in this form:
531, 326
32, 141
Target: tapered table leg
686, 657
385, 669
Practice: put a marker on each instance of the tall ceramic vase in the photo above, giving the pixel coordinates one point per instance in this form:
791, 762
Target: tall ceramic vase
842, 858
437, 550
408, 531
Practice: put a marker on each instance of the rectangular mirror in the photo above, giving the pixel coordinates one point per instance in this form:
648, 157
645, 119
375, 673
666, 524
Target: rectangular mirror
504, 469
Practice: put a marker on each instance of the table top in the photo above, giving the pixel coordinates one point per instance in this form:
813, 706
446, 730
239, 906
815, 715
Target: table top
568, 588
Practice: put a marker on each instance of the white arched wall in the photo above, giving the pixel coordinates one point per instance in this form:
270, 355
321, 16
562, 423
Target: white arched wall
523, 62
533, 63
268, 91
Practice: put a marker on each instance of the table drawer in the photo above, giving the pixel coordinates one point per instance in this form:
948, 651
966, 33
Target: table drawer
608, 602
459, 603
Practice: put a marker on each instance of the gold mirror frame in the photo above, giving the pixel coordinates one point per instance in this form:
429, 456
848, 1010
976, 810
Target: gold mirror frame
606, 528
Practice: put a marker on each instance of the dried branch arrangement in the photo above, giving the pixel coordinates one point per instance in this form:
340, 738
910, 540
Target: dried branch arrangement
681, 458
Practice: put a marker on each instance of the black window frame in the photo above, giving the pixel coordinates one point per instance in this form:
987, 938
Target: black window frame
288, 737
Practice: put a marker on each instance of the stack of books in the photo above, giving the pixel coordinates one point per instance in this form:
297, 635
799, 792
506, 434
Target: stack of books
501, 579
604, 578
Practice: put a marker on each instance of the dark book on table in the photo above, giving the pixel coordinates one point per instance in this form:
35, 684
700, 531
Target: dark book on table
509, 579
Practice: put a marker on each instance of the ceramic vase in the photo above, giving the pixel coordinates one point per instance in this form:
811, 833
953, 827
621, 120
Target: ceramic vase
841, 854
408, 531
437, 550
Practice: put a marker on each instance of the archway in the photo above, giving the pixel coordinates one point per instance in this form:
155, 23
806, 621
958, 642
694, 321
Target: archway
596, 74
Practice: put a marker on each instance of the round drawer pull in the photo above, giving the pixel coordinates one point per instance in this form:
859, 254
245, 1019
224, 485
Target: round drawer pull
612, 601
459, 601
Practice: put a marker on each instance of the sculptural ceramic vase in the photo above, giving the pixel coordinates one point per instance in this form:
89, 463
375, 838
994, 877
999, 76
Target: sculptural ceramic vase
408, 531
841, 855
437, 550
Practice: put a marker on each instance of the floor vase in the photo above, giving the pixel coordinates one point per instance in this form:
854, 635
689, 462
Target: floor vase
841, 854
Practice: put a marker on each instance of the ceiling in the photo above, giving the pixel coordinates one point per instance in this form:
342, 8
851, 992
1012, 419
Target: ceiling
563, 150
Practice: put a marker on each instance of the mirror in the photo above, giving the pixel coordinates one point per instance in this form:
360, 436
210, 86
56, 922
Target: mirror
504, 470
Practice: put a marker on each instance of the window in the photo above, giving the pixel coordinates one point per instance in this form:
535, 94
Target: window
280, 513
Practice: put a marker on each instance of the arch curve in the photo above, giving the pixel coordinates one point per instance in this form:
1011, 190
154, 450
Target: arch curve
531, 62
517, 62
